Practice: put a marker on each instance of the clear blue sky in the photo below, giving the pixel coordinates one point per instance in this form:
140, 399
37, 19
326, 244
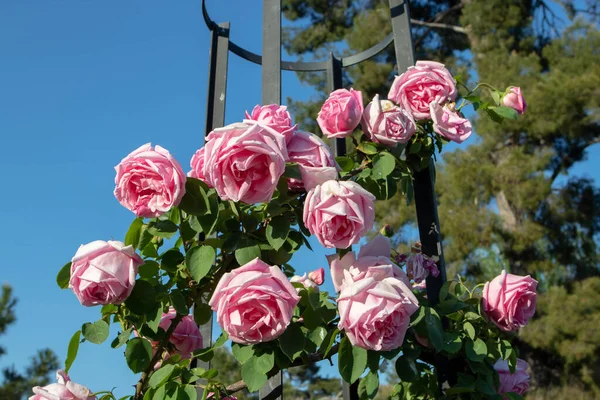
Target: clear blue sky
82, 83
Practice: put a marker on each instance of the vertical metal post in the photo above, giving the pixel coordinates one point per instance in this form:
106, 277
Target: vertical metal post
215, 118
425, 201
271, 94
334, 82
217, 77
271, 57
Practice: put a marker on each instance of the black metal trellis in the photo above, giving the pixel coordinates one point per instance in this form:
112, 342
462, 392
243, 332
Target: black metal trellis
272, 65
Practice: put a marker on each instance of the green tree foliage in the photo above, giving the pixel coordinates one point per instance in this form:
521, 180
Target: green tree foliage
507, 200
16, 385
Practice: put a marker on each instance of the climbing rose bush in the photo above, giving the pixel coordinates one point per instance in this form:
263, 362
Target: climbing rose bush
221, 242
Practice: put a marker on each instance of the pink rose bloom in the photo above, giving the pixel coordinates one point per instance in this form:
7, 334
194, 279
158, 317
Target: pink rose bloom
103, 272
341, 113
339, 213
375, 310
305, 281
386, 123
274, 116
418, 265
65, 389
509, 300
514, 99
317, 276
197, 166
254, 303
308, 150
244, 162
449, 123
515, 383
186, 337
149, 181
350, 269
421, 85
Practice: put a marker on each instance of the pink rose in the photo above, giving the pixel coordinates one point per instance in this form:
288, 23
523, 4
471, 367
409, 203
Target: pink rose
418, 265
65, 389
197, 166
385, 123
509, 300
514, 99
254, 303
350, 269
308, 150
339, 213
449, 123
305, 281
375, 310
421, 85
341, 113
317, 276
274, 116
244, 162
186, 337
518, 382
149, 181
103, 272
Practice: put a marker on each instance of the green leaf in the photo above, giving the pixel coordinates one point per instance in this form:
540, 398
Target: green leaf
64, 276
317, 335
202, 313
254, 371
72, 350
496, 96
148, 269
513, 396
292, 170
160, 393
476, 350
96, 332
367, 148
153, 317
368, 386
253, 378
223, 337
435, 331
292, 341
242, 353
277, 231
244, 255
199, 260
178, 302
406, 368
352, 361
345, 163
121, 338
452, 342
142, 297
163, 229
189, 391
132, 237
138, 354
328, 342
383, 165
160, 376
195, 201
468, 327
209, 220
505, 112
170, 259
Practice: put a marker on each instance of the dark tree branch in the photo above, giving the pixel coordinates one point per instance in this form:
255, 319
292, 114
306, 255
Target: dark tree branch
564, 161
438, 18
439, 25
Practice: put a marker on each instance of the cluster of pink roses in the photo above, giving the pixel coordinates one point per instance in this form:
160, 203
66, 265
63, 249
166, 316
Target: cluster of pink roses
426, 91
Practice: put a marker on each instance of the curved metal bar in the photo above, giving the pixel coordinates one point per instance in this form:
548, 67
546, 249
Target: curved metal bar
300, 65
370, 52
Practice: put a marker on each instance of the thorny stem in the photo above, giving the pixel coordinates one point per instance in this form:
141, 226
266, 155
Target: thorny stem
139, 387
